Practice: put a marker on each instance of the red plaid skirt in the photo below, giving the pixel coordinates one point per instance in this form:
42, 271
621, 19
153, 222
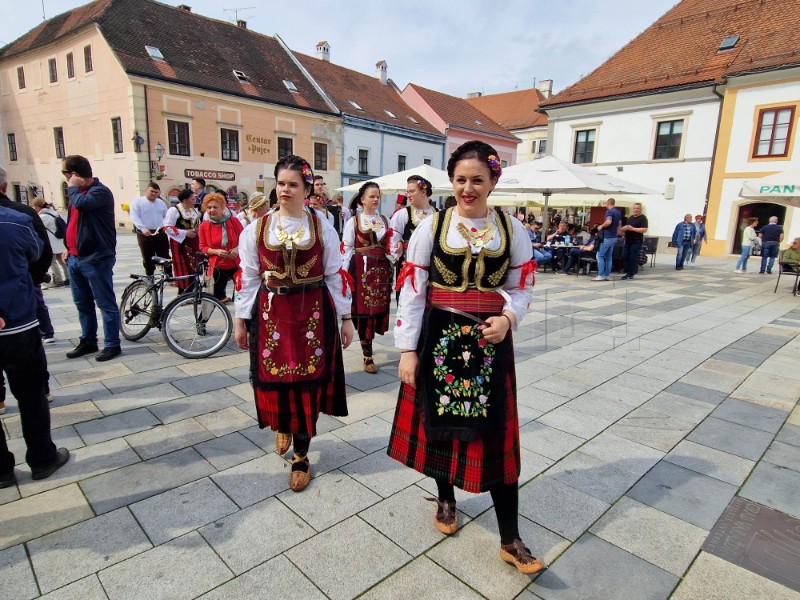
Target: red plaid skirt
183, 259
474, 466
368, 327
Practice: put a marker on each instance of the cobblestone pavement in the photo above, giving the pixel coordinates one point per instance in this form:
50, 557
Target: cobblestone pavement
646, 408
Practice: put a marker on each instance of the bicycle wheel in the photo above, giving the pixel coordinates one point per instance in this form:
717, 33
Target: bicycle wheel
136, 310
196, 326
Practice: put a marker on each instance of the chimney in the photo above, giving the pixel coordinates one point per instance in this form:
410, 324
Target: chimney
546, 87
242, 24
185, 7
474, 94
324, 51
381, 71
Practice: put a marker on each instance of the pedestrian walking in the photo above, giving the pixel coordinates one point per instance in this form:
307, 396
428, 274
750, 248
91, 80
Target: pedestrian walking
683, 239
610, 229
700, 237
55, 234
365, 252
634, 231
292, 289
749, 239
456, 417
771, 237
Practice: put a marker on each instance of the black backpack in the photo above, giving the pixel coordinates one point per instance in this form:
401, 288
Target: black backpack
336, 211
60, 225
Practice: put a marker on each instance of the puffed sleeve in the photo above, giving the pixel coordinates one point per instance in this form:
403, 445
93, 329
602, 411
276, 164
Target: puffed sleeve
348, 241
332, 264
411, 306
517, 300
169, 221
398, 224
251, 275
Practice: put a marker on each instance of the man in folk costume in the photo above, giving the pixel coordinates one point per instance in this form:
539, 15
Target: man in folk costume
365, 255
466, 284
291, 290
405, 220
181, 224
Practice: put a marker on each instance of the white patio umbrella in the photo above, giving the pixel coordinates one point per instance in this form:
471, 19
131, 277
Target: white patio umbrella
549, 175
780, 188
396, 183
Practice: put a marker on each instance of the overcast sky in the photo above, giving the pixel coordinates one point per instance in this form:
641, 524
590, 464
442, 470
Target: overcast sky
457, 46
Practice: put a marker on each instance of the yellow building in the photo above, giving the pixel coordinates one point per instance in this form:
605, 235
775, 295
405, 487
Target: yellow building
145, 90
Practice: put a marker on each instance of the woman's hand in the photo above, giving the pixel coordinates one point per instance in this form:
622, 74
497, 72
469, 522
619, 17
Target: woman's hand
348, 332
497, 330
191, 233
233, 253
240, 334
408, 367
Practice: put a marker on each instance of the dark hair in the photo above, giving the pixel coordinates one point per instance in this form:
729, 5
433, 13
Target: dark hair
78, 164
273, 198
184, 194
314, 195
200, 181
318, 177
153, 185
299, 164
473, 149
450, 201
422, 183
354, 203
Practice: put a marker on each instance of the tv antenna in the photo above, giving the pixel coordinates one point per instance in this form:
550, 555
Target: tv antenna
236, 11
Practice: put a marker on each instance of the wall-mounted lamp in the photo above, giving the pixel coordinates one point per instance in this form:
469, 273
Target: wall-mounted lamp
159, 150
138, 141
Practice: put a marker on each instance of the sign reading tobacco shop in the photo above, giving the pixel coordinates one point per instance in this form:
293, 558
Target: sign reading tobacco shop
215, 175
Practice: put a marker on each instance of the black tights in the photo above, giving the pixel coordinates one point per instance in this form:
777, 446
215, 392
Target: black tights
506, 506
301, 442
366, 348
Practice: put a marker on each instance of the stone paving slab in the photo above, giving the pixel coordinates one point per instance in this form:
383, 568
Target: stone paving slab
733, 438
774, 486
16, 574
421, 578
119, 425
88, 588
65, 556
708, 461
278, 577
228, 451
164, 439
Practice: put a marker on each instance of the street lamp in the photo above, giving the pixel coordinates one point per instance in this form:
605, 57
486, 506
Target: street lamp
159, 151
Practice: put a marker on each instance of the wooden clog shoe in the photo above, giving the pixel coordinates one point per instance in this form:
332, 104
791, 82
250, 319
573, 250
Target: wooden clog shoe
369, 365
446, 518
518, 555
282, 442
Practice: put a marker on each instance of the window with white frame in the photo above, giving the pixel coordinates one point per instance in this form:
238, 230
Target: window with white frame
229, 140
58, 138
21, 77
363, 161
52, 68
116, 134
401, 162
774, 132
70, 66
12, 147
88, 66
320, 156
285, 147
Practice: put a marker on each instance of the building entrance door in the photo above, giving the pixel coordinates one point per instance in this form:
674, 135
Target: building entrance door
759, 210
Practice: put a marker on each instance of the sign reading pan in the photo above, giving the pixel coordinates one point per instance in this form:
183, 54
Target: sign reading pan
217, 175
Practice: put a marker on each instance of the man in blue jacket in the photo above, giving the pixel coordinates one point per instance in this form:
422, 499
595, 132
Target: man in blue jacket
22, 355
91, 252
683, 240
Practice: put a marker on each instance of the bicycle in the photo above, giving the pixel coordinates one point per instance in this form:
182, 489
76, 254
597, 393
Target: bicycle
195, 324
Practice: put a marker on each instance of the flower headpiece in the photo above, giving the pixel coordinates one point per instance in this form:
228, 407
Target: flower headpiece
494, 164
308, 175
422, 184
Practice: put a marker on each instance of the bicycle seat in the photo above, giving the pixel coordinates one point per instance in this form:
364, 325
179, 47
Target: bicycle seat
157, 260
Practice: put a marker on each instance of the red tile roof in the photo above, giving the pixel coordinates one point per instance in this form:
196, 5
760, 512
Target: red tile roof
512, 110
680, 49
457, 112
343, 85
199, 51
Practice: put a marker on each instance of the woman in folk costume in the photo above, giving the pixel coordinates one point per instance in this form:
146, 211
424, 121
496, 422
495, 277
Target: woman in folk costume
219, 238
405, 220
181, 223
256, 208
291, 290
365, 252
466, 285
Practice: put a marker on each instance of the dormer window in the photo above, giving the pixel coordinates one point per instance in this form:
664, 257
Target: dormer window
154, 53
390, 113
241, 76
356, 105
413, 120
728, 43
290, 86
478, 122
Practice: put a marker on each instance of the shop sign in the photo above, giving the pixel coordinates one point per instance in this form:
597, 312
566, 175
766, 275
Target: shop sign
213, 175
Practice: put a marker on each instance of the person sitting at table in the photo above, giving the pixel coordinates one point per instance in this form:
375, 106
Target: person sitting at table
584, 250
558, 238
540, 253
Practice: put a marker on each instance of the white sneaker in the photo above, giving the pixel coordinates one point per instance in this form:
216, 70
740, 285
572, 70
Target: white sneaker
50, 340
598, 278
738, 271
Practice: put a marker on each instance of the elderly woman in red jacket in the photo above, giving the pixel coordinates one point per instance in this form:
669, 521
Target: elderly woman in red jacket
219, 239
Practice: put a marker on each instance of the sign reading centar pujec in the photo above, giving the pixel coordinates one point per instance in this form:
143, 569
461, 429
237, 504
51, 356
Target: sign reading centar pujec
216, 175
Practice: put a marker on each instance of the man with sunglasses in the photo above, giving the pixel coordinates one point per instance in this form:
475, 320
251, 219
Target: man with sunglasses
91, 243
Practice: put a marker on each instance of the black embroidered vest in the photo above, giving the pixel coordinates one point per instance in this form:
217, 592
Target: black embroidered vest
456, 268
410, 224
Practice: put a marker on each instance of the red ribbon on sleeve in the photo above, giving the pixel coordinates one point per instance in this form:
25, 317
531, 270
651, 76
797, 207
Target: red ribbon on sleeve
347, 282
528, 268
237, 280
408, 272
171, 230
341, 247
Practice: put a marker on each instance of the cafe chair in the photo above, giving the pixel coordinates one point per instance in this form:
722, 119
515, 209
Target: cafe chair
790, 270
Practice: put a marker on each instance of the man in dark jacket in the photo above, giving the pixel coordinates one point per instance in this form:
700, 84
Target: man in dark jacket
91, 252
22, 355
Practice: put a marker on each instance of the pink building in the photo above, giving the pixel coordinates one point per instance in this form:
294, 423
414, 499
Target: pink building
461, 122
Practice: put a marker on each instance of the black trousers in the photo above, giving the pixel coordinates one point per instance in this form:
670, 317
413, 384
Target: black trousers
153, 245
25, 364
221, 279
